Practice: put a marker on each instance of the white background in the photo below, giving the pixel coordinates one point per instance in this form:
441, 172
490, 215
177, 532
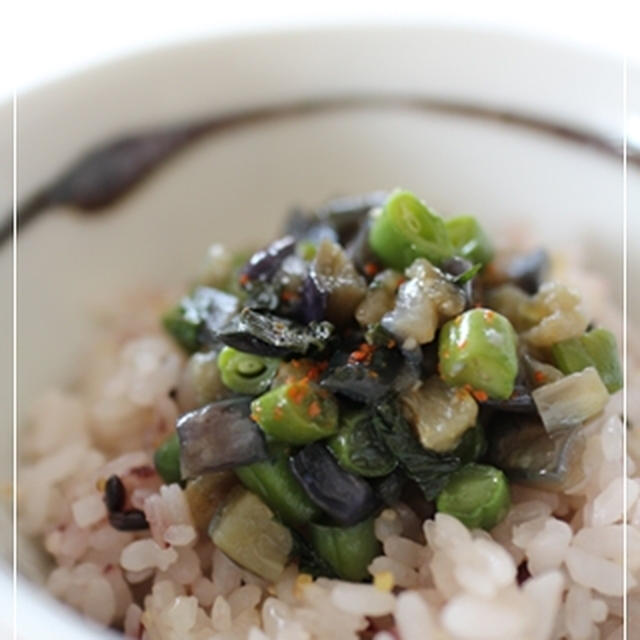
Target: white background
45, 39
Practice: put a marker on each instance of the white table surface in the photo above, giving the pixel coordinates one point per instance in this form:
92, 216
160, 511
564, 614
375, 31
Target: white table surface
46, 40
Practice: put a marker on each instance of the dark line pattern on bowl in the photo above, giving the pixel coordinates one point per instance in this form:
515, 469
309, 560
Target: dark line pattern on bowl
109, 171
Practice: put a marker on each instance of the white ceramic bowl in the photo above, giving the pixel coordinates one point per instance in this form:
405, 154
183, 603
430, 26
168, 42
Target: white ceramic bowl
235, 186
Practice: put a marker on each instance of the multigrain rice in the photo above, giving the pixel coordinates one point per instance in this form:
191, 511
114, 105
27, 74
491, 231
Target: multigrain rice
433, 580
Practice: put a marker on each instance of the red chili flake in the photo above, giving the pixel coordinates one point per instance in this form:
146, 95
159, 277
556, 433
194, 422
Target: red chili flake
371, 269
462, 344
392, 343
296, 364
446, 354
244, 279
297, 392
540, 377
480, 395
288, 296
362, 354
314, 409
278, 413
489, 316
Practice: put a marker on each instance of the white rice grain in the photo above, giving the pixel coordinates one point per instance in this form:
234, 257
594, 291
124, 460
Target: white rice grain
146, 554
362, 599
89, 510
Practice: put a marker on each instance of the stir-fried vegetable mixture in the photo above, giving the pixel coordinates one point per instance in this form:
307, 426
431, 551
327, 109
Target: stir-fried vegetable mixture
375, 353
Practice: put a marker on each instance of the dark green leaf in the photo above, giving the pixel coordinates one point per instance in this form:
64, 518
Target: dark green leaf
428, 469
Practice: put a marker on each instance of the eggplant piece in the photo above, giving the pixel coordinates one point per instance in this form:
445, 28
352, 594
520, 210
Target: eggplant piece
358, 249
219, 436
368, 380
343, 216
334, 274
531, 456
520, 401
314, 300
345, 497
390, 488
528, 270
269, 335
262, 295
428, 469
264, 264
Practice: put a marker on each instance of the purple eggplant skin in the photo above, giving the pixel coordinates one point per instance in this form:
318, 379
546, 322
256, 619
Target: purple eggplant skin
269, 335
343, 496
314, 300
528, 270
529, 455
338, 219
264, 264
219, 436
520, 401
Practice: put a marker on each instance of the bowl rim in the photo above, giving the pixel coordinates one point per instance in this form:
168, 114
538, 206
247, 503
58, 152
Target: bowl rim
42, 606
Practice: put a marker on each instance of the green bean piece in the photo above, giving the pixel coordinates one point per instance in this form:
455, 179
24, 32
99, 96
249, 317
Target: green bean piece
349, 550
597, 348
166, 459
245, 372
469, 239
476, 494
406, 229
274, 482
478, 348
358, 449
246, 531
298, 413
183, 329
472, 445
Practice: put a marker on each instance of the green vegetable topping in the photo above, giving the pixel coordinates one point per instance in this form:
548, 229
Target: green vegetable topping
274, 482
349, 550
247, 532
298, 413
245, 372
477, 494
359, 449
427, 468
166, 459
597, 348
469, 239
204, 308
406, 229
478, 348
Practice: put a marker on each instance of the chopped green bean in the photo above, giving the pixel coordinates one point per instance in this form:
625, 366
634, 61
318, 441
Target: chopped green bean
597, 348
274, 482
349, 550
476, 494
469, 239
298, 413
246, 531
406, 229
358, 449
166, 459
245, 372
478, 348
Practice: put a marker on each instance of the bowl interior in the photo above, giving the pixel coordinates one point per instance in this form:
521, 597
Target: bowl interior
236, 186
